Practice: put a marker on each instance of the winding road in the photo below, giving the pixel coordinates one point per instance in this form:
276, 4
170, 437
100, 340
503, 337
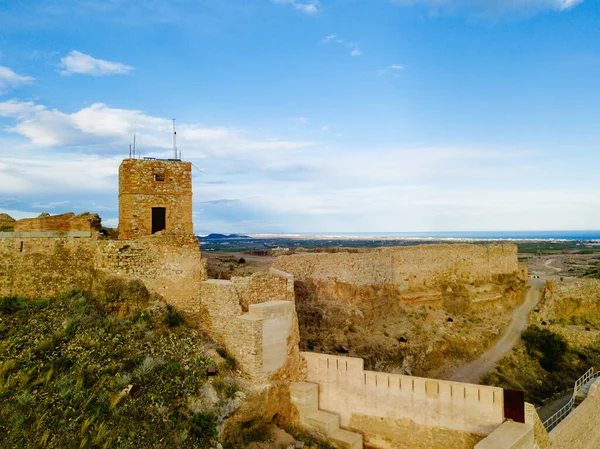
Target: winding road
472, 372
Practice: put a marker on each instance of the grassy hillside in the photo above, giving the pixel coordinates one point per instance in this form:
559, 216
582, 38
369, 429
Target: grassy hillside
64, 363
542, 364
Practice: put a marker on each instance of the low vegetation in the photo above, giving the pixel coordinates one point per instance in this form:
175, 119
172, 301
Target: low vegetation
542, 364
67, 367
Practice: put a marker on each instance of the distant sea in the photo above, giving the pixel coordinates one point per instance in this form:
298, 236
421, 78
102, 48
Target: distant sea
483, 235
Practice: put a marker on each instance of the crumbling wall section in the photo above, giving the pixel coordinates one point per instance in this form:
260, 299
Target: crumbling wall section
169, 263
264, 340
68, 222
44, 267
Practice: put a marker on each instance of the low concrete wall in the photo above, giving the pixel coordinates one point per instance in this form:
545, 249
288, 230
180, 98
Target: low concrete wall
345, 388
510, 435
579, 430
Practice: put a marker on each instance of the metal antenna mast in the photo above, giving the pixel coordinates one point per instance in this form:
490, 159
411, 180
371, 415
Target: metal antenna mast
134, 131
174, 141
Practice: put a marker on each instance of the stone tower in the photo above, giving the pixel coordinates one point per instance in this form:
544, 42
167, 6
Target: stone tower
154, 195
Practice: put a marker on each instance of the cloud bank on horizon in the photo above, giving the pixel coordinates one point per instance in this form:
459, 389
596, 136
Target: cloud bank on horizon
472, 128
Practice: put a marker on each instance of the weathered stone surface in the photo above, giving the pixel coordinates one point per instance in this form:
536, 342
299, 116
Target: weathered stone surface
409, 268
263, 341
7, 223
540, 435
60, 223
169, 264
144, 184
510, 435
563, 300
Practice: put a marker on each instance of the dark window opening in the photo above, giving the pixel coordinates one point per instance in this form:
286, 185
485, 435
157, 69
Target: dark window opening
159, 174
159, 219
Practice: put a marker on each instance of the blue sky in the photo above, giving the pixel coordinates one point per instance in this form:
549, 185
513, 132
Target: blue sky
310, 116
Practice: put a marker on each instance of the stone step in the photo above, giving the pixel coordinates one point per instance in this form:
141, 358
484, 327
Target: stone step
305, 396
324, 422
344, 439
584, 390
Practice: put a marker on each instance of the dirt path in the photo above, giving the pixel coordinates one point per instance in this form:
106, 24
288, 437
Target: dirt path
547, 265
549, 409
472, 372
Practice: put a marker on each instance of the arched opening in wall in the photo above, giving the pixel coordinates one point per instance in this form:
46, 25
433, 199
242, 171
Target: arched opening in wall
159, 219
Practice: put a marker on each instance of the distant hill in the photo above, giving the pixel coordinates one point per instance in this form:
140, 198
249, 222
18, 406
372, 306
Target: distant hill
224, 236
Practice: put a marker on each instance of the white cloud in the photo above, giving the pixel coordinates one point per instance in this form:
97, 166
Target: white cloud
306, 6
277, 185
8, 78
77, 62
496, 6
397, 67
333, 38
100, 126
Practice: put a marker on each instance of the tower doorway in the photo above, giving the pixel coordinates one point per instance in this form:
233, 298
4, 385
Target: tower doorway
159, 219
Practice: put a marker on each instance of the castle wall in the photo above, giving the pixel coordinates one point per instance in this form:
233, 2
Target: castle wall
264, 340
140, 190
372, 403
169, 264
60, 223
43, 267
409, 268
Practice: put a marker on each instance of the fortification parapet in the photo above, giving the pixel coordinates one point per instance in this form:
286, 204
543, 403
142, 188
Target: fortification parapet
372, 402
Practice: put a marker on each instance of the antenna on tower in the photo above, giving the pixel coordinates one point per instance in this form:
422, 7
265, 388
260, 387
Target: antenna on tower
130, 136
134, 130
174, 141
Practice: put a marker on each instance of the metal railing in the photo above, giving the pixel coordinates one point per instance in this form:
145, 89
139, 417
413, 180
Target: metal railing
553, 421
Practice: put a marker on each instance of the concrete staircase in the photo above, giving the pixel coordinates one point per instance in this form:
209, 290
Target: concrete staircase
305, 397
583, 391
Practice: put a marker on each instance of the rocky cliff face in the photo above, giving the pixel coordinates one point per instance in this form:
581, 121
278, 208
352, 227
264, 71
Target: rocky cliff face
576, 297
420, 335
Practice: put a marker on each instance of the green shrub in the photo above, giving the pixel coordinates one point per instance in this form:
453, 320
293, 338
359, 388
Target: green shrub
11, 304
173, 318
40, 304
548, 346
229, 361
255, 431
226, 387
203, 426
